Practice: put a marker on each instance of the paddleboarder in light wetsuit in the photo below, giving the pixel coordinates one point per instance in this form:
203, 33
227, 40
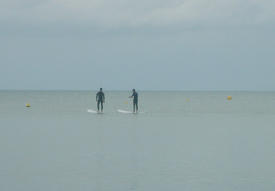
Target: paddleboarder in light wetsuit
100, 99
135, 100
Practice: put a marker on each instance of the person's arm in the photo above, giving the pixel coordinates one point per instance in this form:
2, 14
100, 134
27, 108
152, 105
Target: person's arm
131, 96
96, 97
103, 97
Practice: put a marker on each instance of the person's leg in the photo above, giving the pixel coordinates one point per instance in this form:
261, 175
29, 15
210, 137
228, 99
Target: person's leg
97, 105
136, 106
101, 106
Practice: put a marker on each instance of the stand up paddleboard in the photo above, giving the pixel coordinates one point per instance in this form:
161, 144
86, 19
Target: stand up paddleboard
124, 111
93, 111
127, 112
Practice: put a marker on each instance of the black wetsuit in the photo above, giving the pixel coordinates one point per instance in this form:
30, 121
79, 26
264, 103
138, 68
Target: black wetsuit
135, 101
100, 98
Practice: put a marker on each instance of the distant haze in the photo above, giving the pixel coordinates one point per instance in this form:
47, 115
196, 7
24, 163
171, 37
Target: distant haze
146, 44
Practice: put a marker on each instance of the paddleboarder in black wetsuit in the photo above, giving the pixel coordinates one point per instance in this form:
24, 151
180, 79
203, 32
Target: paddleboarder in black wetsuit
100, 98
135, 100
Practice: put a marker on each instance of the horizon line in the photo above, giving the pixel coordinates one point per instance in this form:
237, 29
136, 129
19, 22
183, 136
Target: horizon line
152, 90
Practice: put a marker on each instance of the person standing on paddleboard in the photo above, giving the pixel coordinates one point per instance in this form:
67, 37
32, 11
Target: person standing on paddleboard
135, 100
100, 99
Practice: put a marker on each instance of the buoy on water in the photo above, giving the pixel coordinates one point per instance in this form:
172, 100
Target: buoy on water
28, 105
229, 98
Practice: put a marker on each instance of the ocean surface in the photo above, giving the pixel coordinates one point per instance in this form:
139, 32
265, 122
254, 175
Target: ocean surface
193, 141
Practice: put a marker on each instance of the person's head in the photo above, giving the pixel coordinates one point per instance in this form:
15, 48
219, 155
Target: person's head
100, 89
133, 90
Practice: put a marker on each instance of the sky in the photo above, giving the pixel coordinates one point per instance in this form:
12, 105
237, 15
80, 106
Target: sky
145, 44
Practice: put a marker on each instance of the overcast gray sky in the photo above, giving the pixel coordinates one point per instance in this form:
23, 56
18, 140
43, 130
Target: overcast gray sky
144, 44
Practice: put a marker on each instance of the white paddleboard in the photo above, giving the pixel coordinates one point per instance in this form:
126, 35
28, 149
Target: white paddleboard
93, 111
124, 111
128, 112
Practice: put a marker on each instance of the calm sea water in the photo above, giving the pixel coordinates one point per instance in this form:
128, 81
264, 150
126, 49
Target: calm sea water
194, 141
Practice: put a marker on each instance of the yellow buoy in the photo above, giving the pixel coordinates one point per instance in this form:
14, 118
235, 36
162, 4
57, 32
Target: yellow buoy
229, 97
28, 105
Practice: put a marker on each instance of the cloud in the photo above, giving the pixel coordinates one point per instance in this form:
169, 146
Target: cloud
125, 13
212, 12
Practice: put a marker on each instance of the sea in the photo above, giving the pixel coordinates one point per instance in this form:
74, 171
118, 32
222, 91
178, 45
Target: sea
179, 141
